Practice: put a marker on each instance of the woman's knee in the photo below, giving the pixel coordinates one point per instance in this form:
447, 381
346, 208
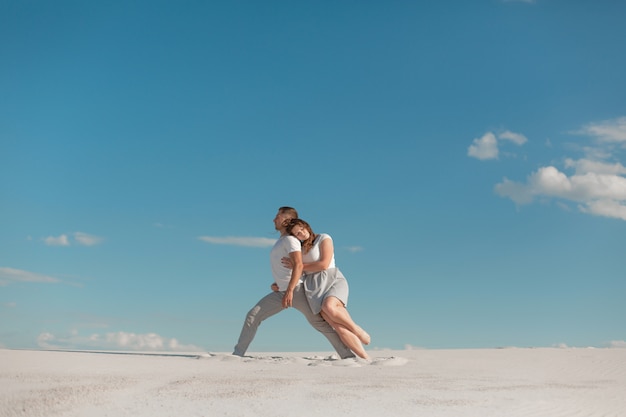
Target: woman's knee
333, 307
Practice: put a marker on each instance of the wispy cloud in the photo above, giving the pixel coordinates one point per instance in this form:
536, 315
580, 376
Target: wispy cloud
160, 225
606, 131
11, 275
258, 242
114, 341
353, 249
487, 146
516, 138
411, 347
86, 239
62, 240
79, 238
597, 185
585, 166
617, 344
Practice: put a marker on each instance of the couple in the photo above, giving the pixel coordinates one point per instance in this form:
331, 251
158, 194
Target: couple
320, 294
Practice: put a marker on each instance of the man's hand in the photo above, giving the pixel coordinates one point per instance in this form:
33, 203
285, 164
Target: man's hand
287, 262
288, 299
274, 287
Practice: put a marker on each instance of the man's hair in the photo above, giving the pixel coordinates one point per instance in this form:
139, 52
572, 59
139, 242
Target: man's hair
290, 211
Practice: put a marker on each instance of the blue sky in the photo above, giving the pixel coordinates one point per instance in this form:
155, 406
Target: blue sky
467, 158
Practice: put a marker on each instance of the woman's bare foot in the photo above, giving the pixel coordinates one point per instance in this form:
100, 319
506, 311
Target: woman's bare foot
363, 336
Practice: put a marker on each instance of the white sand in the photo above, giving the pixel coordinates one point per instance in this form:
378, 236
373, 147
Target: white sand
477, 383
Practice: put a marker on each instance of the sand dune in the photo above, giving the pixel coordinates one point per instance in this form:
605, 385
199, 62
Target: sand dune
478, 383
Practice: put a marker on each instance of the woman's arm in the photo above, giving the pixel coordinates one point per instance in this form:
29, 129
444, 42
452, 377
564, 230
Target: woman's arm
326, 255
296, 273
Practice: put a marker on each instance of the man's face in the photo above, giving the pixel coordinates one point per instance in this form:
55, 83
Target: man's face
279, 220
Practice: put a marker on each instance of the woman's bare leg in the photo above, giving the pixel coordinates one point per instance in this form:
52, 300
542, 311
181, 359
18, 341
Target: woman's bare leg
338, 313
347, 337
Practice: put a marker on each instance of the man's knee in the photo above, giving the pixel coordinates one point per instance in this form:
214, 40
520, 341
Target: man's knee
252, 315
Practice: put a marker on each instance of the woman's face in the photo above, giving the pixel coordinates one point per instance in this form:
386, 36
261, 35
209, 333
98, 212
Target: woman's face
300, 232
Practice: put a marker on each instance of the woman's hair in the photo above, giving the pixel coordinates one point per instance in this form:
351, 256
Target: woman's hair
290, 212
306, 244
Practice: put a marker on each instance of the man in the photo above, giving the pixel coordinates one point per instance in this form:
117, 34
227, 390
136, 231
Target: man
290, 291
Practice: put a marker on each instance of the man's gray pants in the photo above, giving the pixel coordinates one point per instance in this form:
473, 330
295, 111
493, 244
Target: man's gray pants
272, 304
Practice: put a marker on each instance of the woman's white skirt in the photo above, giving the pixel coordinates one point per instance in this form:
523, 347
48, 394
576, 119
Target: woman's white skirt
322, 284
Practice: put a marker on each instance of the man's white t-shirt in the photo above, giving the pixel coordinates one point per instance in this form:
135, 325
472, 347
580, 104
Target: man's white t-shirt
282, 248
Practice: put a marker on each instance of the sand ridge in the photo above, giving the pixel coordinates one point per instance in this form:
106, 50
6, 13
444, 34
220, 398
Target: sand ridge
482, 382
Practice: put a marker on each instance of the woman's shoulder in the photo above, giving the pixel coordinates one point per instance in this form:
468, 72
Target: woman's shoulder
323, 236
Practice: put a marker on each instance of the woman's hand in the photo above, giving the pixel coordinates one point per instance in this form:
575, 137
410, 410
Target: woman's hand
287, 262
274, 287
288, 299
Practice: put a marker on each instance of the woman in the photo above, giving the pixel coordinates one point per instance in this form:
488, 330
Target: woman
325, 286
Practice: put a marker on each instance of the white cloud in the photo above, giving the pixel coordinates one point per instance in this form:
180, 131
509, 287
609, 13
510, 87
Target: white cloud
81, 238
259, 242
607, 131
114, 341
62, 240
353, 249
519, 193
44, 338
551, 182
598, 183
160, 225
9, 275
87, 239
598, 194
606, 208
584, 166
619, 344
486, 147
411, 347
516, 138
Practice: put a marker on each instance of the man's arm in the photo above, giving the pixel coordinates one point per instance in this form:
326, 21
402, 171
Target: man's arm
296, 273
